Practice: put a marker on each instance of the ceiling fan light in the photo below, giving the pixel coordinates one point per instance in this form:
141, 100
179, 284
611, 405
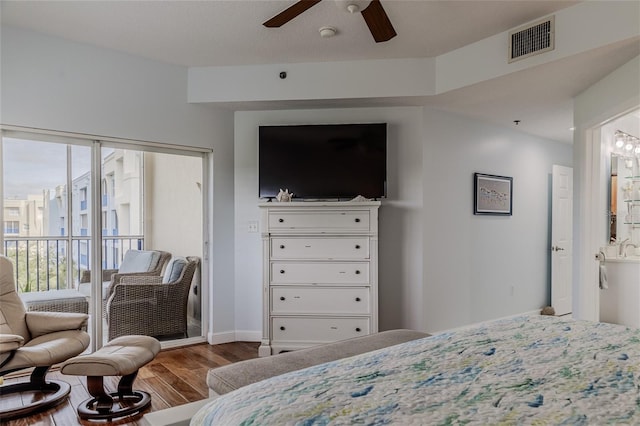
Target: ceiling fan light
353, 6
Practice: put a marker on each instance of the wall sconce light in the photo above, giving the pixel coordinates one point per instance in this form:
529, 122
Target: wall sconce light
626, 145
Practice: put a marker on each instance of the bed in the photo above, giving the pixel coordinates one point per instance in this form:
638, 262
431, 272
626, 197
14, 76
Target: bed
523, 370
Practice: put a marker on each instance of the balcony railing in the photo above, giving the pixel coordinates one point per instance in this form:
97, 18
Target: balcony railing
56, 263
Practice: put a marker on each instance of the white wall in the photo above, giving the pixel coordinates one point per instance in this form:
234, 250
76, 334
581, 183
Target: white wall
400, 245
60, 85
317, 80
178, 229
54, 84
472, 262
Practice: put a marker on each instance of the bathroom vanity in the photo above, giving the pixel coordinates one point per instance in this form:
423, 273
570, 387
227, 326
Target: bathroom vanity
620, 302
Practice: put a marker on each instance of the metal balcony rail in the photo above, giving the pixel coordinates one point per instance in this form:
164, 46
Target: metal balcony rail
56, 263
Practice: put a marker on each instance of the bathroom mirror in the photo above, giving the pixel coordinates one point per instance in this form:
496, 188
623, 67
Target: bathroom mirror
621, 151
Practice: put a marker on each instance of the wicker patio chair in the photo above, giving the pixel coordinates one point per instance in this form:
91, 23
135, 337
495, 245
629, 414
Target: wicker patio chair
152, 305
129, 267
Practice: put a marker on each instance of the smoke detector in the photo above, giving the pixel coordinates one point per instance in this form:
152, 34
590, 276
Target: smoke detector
326, 32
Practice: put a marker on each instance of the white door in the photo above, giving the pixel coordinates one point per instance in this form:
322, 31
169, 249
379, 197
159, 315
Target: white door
561, 239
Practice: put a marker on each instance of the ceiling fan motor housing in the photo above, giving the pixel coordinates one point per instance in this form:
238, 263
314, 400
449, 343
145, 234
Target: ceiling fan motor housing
352, 6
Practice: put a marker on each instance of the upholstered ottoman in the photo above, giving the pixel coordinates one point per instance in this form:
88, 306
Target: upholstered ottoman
120, 357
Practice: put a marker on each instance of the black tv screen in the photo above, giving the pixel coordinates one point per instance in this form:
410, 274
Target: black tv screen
328, 161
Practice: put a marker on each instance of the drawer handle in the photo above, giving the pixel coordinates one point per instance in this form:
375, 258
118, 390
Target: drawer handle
281, 246
281, 220
357, 272
282, 298
282, 271
358, 329
357, 246
357, 219
282, 328
357, 299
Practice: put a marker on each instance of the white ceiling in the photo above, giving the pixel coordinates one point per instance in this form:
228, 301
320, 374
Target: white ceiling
218, 33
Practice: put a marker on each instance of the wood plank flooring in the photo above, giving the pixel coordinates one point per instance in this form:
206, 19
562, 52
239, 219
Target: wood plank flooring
174, 377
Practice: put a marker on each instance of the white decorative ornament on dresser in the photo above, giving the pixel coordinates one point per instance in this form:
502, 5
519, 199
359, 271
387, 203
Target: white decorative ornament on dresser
320, 273
284, 196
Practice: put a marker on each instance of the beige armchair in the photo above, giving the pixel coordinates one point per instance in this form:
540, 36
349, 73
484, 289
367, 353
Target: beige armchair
152, 306
34, 339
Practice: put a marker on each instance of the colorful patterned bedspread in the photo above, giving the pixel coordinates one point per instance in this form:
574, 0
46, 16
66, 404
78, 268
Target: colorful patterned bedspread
525, 370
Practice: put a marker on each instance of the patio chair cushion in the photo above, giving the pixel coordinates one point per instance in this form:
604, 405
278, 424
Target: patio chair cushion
66, 300
139, 261
174, 269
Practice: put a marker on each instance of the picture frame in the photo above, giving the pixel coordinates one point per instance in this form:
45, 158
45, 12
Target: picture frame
492, 195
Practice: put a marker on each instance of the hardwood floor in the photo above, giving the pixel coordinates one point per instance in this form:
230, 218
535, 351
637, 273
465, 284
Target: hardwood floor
174, 377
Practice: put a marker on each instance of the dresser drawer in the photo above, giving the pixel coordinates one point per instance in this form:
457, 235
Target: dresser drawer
320, 273
320, 221
320, 248
318, 330
320, 300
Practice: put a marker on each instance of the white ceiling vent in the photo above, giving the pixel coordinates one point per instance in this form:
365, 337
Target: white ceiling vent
532, 39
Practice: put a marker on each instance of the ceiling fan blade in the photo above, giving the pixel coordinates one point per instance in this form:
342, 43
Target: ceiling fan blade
378, 22
290, 13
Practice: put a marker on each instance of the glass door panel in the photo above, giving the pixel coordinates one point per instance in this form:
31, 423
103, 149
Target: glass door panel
152, 208
34, 175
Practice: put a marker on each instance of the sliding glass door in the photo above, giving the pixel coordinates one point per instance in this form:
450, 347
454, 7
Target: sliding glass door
77, 211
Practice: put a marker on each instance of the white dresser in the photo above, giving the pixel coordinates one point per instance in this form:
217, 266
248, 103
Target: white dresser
320, 273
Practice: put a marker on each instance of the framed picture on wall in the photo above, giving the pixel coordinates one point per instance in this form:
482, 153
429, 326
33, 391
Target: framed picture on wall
492, 195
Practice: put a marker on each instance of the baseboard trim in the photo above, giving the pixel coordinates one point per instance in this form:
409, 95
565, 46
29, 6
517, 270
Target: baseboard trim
219, 338
248, 336
234, 336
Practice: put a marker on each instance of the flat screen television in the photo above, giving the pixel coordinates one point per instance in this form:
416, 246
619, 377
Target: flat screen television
326, 161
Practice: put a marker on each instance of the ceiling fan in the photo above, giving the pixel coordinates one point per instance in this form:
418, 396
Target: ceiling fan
372, 12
